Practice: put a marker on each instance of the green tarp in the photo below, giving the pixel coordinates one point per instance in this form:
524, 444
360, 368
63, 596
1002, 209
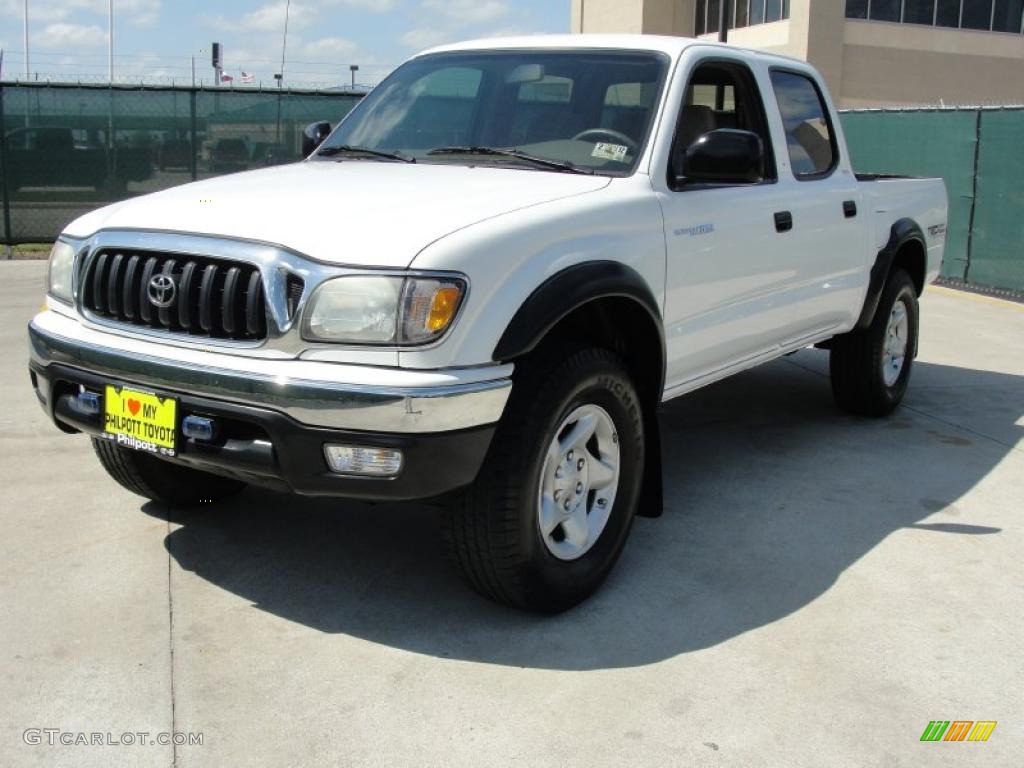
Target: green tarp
980, 155
67, 149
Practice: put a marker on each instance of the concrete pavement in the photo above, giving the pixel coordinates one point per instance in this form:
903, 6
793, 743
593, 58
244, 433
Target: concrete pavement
819, 589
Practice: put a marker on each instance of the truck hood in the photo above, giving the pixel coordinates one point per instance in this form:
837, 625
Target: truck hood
352, 212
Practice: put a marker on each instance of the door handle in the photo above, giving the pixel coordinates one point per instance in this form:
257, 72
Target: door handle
783, 221
849, 208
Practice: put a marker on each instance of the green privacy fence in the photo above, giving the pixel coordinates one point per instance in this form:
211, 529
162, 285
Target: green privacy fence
980, 154
67, 149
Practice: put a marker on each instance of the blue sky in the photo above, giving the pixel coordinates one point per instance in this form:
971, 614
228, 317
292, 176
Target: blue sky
155, 39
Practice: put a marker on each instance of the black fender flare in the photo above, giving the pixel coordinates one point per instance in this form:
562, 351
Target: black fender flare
566, 291
563, 293
902, 232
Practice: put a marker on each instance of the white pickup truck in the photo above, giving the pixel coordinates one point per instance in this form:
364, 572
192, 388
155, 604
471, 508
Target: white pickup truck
479, 287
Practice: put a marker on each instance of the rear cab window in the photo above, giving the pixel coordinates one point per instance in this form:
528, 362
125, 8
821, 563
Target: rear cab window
810, 138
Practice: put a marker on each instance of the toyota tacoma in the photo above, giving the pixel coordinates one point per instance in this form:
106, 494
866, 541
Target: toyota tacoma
479, 286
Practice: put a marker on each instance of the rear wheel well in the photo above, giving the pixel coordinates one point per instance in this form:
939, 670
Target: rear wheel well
911, 257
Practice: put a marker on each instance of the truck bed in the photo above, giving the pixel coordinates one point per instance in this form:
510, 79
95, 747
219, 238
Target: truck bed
923, 201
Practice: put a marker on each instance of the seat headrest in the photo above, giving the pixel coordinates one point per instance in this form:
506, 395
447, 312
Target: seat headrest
694, 122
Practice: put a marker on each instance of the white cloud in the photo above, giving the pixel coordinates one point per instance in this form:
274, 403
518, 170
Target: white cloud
64, 35
136, 12
468, 11
142, 13
452, 20
422, 38
329, 48
375, 6
270, 18
508, 32
48, 12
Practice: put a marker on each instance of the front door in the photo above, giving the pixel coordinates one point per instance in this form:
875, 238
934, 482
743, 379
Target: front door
729, 256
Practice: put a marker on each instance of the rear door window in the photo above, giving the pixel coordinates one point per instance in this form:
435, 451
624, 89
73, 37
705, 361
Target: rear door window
809, 135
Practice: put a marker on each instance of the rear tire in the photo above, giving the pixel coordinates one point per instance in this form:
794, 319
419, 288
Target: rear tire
871, 366
511, 534
161, 480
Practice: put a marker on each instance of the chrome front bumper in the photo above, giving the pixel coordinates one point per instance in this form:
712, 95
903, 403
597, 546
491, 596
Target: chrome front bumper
316, 394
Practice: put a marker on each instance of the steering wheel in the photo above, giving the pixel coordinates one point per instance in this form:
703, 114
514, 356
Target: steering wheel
595, 135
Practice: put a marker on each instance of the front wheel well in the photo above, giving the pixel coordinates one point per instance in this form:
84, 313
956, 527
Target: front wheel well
631, 330
621, 325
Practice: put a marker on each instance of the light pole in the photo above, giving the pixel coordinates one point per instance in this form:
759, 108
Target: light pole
110, 40
284, 43
25, 33
353, 69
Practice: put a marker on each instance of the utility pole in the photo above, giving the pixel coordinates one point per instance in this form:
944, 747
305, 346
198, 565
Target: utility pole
723, 20
113, 186
110, 40
25, 31
284, 42
280, 75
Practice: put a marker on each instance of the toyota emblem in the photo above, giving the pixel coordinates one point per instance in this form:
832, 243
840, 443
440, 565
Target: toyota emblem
162, 291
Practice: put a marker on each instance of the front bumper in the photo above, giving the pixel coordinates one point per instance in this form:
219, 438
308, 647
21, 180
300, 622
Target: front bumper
275, 418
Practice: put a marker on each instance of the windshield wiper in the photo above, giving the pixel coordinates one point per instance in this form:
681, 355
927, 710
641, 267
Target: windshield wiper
556, 165
346, 149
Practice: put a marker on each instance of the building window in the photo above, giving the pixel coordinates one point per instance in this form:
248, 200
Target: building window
885, 10
948, 13
742, 13
919, 12
1008, 16
985, 15
856, 9
977, 15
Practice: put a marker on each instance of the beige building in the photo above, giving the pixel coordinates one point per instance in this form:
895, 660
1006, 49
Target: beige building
872, 52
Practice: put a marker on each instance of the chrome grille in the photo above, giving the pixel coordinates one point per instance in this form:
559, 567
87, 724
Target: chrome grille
202, 296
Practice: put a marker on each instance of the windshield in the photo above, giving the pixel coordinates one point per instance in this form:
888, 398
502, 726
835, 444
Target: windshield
586, 110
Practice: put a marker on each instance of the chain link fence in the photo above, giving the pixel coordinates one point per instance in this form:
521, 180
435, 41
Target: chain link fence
980, 153
67, 149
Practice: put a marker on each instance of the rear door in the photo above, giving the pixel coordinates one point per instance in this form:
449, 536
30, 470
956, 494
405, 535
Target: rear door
828, 243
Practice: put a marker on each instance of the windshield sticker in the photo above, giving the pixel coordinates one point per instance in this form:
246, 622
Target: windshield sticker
616, 152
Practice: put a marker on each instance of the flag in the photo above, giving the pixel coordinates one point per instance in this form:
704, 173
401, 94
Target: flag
226, 79
248, 77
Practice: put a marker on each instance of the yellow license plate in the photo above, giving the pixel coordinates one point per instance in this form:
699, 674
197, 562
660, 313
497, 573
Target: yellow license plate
140, 420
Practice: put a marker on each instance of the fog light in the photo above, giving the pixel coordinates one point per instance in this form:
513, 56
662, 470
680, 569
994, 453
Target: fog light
363, 460
198, 428
88, 403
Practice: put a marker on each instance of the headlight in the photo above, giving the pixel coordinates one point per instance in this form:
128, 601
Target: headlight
61, 267
382, 310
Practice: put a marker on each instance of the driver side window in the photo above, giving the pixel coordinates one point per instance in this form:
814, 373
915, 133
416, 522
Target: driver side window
720, 94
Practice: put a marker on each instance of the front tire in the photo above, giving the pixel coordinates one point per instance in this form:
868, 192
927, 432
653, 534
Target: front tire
871, 366
160, 480
552, 507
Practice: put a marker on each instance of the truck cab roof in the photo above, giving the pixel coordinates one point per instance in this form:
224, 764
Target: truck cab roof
670, 45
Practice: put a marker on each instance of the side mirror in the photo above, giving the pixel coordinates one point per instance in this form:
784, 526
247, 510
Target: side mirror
314, 136
723, 156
